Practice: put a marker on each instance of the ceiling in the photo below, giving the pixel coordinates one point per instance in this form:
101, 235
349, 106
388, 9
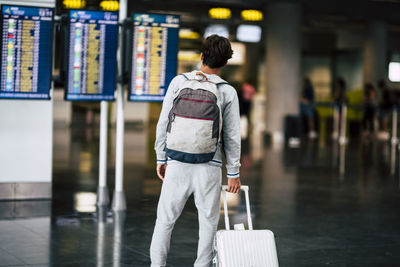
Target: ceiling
316, 13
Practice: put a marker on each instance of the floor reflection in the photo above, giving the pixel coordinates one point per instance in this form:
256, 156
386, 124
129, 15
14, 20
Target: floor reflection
25, 241
101, 236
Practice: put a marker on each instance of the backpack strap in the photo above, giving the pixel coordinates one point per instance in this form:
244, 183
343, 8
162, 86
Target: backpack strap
206, 79
184, 76
221, 83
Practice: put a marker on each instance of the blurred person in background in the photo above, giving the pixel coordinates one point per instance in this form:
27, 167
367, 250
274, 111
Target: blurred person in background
369, 108
339, 93
307, 106
246, 94
385, 107
339, 99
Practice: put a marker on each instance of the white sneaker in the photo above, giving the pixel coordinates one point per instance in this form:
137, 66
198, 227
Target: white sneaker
294, 142
383, 135
312, 135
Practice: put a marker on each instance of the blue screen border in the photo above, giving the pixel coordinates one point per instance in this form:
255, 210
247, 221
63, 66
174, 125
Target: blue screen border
130, 96
51, 54
84, 99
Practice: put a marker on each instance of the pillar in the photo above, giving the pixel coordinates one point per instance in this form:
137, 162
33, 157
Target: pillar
375, 52
283, 64
26, 142
252, 65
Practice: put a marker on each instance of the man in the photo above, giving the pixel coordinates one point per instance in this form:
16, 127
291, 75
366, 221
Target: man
203, 180
339, 99
369, 108
307, 107
385, 107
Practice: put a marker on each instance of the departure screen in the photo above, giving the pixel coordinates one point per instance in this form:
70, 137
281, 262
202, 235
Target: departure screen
92, 46
154, 56
26, 52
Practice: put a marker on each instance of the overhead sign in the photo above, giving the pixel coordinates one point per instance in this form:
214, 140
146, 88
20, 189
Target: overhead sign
252, 15
248, 33
239, 54
109, 5
394, 71
92, 46
220, 13
26, 52
218, 29
74, 4
154, 56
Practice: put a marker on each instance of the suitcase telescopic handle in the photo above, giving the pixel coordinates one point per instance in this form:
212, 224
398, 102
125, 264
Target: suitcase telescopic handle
244, 188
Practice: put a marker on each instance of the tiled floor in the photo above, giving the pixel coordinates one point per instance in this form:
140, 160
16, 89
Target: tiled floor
320, 217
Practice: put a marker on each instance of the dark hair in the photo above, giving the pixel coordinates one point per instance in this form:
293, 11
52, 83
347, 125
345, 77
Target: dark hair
341, 83
381, 84
368, 87
216, 51
307, 81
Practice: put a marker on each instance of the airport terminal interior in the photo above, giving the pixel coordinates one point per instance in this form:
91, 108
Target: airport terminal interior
81, 90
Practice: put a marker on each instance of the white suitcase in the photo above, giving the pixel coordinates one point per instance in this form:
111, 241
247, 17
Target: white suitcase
244, 248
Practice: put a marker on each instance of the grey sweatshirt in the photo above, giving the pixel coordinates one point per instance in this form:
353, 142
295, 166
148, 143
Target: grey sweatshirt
230, 124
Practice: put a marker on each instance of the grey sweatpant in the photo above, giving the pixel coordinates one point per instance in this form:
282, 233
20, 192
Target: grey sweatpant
181, 180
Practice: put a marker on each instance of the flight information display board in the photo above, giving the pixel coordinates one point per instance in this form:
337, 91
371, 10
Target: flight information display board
154, 56
26, 52
92, 51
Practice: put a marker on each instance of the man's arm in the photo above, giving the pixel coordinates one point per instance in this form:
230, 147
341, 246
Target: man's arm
161, 132
231, 135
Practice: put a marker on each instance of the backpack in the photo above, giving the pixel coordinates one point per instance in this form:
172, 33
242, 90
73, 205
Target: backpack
195, 121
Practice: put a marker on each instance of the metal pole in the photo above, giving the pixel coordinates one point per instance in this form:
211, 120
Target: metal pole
225, 210
250, 222
119, 170
101, 236
103, 198
119, 202
119, 224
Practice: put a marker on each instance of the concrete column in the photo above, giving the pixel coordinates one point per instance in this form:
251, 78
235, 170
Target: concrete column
251, 66
283, 64
26, 141
375, 52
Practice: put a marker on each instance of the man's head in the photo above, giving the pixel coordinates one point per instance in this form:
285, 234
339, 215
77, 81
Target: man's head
381, 84
341, 83
216, 51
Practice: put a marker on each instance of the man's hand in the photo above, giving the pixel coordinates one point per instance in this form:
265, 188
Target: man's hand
304, 100
233, 185
161, 170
